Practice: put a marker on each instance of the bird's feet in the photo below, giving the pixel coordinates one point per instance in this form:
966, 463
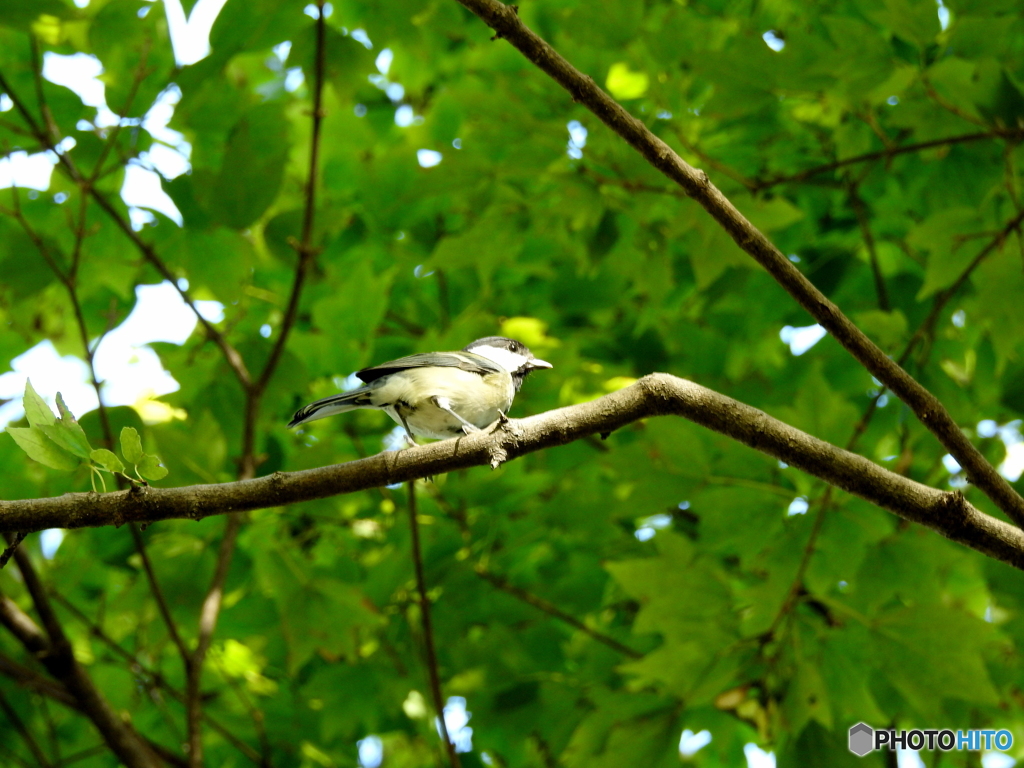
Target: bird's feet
501, 423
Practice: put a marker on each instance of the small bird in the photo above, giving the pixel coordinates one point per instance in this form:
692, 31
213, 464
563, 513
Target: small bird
438, 394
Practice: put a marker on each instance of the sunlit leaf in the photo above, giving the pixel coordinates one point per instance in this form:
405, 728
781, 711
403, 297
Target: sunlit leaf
40, 448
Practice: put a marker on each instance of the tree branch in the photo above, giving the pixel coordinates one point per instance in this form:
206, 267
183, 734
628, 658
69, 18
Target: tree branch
861, 212
234, 359
53, 690
254, 390
505, 21
157, 679
1013, 134
423, 600
59, 660
31, 680
500, 582
207, 623
657, 394
15, 720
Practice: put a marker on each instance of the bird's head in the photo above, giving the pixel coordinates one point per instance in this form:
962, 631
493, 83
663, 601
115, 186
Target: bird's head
514, 356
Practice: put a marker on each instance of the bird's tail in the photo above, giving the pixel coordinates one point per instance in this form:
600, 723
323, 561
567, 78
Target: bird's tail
321, 409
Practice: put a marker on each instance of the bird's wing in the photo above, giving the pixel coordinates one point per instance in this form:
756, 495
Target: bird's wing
467, 361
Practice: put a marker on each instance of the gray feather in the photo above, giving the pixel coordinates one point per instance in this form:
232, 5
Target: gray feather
321, 409
467, 361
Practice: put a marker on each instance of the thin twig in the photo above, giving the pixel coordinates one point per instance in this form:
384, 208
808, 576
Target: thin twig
207, 623
304, 247
500, 582
255, 714
428, 632
55, 691
16, 538
69, 280
159, 680
53, 131
796, 586
860, 210
231, 355
141, 72
928, 408
886, 154
711, 162
943, 298
33, 681
953, 109
26, 735
552, 610
158, 594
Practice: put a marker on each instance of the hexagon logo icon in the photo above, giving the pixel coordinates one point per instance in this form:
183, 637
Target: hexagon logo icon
862, 737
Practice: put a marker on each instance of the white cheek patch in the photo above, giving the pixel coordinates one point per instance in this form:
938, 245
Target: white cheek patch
506, 358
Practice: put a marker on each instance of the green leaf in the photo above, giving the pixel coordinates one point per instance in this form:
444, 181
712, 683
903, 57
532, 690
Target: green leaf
36, 409
40, 448
624, 83
887, 329
925, 665
67, 432
942, 235
107, 459
131, 445
150, 468
252, 168
20, 14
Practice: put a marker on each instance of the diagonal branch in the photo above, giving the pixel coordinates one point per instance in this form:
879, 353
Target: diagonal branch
151, 675
33, 681
54, 650
657, 394
505, 21
824, 503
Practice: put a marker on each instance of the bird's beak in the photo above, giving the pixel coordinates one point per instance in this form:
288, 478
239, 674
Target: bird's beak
540, 364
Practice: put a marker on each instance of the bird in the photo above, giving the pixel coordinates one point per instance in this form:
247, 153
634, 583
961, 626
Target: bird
438, 395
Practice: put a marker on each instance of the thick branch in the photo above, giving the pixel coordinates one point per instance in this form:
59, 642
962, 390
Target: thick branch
505, 21
658, 394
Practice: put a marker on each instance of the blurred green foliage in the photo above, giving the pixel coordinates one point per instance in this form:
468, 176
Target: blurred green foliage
747, 621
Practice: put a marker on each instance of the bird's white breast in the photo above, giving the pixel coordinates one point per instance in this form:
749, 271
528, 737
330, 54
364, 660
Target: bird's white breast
478, 399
